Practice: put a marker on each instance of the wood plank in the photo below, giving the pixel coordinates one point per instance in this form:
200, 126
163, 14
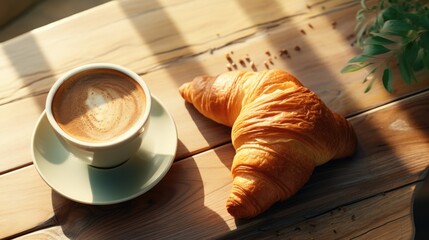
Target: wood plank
16, 127
384, 216
56, 233
189, 201
179, 50
29, 189
401, 228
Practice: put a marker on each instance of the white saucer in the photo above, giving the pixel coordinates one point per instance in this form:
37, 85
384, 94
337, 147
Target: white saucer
77, 181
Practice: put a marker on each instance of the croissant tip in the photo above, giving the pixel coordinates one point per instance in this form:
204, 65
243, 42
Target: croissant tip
182, 89
238, 209
183, 86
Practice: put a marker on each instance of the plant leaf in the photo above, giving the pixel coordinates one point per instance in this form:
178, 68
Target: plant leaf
360, 29
426, 59
368, 88
354, 67
381, 34
369, 74
415, 19
424, 20
411, 52
381, 4
372, 50
424, 40
363, 3
396, 27
360, 15
377, 40
360, 59
418, 63
379, 20
406, 73
387, 79
389, 13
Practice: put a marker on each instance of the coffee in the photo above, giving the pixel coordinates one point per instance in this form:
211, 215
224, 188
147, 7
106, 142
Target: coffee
98, 105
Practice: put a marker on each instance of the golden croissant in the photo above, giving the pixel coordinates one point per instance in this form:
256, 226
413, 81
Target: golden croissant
280, 130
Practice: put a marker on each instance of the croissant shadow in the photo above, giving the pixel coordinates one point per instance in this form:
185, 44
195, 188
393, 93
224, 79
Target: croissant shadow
205, 126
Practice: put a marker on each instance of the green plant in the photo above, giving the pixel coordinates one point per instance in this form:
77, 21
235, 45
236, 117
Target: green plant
391, 33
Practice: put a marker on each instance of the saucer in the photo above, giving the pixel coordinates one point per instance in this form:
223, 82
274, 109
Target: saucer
72, 178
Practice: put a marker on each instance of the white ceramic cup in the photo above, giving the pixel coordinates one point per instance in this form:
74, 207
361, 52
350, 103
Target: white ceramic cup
109, 153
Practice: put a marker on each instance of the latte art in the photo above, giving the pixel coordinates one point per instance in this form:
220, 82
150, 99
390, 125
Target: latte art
98, 106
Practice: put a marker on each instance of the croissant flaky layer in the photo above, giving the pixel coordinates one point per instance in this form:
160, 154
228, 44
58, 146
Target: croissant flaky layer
280, 130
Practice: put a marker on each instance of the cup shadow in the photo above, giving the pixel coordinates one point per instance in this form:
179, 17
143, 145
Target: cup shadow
174, 206
47, 145
129, 179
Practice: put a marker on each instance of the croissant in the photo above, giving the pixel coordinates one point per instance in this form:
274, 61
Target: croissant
280, 130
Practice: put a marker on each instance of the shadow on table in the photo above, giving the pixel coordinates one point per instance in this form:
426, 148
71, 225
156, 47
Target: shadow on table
31, 68
174, 207
160, 33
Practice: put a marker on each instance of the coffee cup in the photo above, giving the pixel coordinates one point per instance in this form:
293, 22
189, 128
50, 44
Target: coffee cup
100, 112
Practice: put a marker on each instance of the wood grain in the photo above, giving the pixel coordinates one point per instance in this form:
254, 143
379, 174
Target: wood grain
384, 216
30, 195
189, 201
161, 43
16, 127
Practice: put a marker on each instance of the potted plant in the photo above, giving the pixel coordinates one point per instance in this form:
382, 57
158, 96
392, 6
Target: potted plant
391, 33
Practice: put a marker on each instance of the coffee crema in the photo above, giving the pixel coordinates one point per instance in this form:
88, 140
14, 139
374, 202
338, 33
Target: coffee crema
98, 105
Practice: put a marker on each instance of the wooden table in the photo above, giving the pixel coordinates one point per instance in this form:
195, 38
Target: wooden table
169, 42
